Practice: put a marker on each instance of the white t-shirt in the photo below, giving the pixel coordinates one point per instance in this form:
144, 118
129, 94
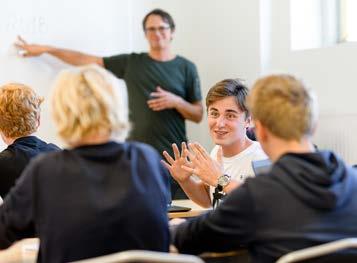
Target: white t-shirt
239, 167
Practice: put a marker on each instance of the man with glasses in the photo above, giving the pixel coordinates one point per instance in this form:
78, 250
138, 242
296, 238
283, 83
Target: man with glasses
163, 88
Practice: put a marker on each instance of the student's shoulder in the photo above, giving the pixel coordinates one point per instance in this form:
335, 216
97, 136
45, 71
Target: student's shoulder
53, 146
12, 154
45, 161
50, 156
260, 185
48, 147
6, 155
8, 160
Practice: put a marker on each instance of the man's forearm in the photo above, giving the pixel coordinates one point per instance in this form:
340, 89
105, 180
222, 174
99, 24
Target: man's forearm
197, 192
73, 57
190, 111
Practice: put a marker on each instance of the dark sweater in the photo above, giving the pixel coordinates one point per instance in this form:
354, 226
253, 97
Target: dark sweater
305, 200
16, 156
90, 201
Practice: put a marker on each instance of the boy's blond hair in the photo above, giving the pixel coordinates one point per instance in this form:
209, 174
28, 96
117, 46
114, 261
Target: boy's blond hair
19, 110
84, 104
284, 106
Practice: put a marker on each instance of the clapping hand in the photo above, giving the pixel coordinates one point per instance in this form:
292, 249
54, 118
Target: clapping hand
174, 165
202, 165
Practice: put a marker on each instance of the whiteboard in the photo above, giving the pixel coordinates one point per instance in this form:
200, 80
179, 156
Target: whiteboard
101, 28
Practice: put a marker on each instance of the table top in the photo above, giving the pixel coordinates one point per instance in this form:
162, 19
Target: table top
196, 210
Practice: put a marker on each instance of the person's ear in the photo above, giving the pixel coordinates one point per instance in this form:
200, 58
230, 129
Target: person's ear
248, 121
38, 121
172, 34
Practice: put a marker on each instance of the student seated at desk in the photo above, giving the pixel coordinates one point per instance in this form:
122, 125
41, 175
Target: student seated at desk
19, 119
306, 199
228, 120
98, 196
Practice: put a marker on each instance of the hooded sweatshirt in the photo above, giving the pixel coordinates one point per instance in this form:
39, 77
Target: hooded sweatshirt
304, 200
89, 201
15, 158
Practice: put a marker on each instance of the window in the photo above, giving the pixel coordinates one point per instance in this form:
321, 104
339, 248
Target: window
348, 20
314, 23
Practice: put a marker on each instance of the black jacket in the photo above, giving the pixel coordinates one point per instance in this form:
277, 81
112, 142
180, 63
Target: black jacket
305, 200
16, 156
90, 201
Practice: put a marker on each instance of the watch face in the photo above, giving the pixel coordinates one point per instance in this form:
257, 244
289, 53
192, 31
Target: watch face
223, 180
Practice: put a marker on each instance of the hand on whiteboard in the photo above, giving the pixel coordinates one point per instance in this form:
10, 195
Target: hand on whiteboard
29, 50
162, 100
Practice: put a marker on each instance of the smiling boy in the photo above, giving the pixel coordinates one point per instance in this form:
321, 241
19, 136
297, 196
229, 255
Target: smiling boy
228, 120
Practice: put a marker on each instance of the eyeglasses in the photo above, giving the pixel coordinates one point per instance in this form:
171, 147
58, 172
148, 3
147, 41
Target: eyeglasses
161, 29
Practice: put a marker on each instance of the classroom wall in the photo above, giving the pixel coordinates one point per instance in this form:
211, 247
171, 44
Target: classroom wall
224, 38
330, 72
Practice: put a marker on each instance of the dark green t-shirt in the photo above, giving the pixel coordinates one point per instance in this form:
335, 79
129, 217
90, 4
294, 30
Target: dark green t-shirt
142, 75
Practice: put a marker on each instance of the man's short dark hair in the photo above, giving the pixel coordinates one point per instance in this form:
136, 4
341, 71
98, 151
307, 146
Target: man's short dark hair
229, 88
164, 16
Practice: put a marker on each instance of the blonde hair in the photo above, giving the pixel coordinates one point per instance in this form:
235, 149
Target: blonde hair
19, 110
284, 106
84, 104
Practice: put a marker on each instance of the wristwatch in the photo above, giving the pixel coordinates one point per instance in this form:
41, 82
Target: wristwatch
222, 181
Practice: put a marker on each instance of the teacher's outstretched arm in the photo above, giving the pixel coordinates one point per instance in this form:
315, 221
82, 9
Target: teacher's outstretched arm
69, 56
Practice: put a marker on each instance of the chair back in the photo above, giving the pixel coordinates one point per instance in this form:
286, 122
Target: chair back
143, 256
320, 250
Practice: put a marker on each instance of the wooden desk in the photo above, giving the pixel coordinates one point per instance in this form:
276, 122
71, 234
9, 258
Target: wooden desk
196, 210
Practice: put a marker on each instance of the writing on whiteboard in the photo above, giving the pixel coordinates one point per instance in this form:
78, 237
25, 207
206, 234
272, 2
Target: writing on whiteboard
20, 24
